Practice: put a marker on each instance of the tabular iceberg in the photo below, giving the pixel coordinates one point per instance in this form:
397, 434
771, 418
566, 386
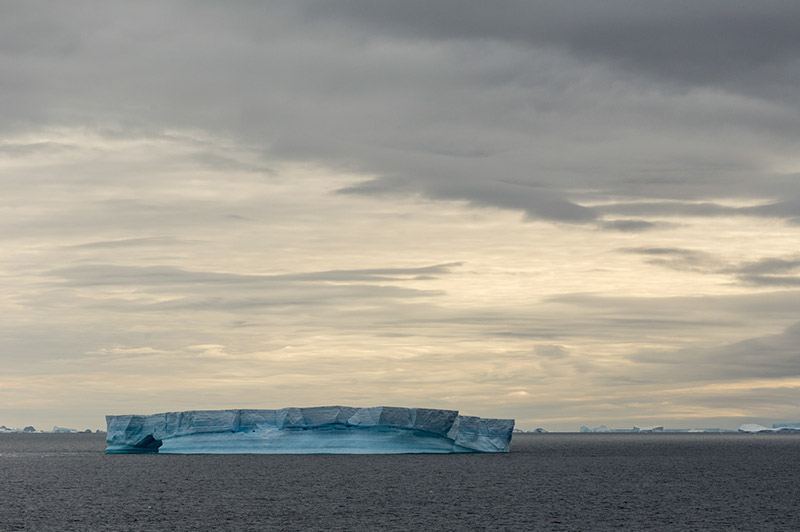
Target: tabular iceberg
754, 428
316, 430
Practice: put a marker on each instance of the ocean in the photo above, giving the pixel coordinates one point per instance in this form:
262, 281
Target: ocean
65, 482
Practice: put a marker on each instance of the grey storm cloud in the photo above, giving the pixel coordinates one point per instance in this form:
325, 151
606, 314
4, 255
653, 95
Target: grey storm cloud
545, 108
769, 356
681, 312
789, 209
134, 242
168, 289
770, 266
106, 274
770, 271
629, 226
535, 202
771, 280
678, 258
696, 42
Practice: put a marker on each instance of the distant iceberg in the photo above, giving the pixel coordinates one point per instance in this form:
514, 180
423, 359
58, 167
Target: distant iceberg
654, 428
601, 428
316, 430
757, 429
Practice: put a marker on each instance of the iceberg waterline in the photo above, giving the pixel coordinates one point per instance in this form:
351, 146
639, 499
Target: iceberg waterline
315, 430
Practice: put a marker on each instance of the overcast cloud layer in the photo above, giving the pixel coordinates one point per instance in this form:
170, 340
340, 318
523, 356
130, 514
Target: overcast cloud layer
565, 212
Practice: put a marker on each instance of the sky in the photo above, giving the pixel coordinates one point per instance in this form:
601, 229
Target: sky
567, 213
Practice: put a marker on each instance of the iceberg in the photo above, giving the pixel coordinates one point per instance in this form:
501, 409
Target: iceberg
754, 428
786, 426
601, 428
654, 428
316, 430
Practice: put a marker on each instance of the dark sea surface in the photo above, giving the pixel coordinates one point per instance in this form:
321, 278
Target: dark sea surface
546, 482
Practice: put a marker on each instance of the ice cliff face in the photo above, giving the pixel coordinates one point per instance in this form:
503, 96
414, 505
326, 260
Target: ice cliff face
317, 430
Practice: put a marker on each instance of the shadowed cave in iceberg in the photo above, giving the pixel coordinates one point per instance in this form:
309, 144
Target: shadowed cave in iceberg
316, 430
